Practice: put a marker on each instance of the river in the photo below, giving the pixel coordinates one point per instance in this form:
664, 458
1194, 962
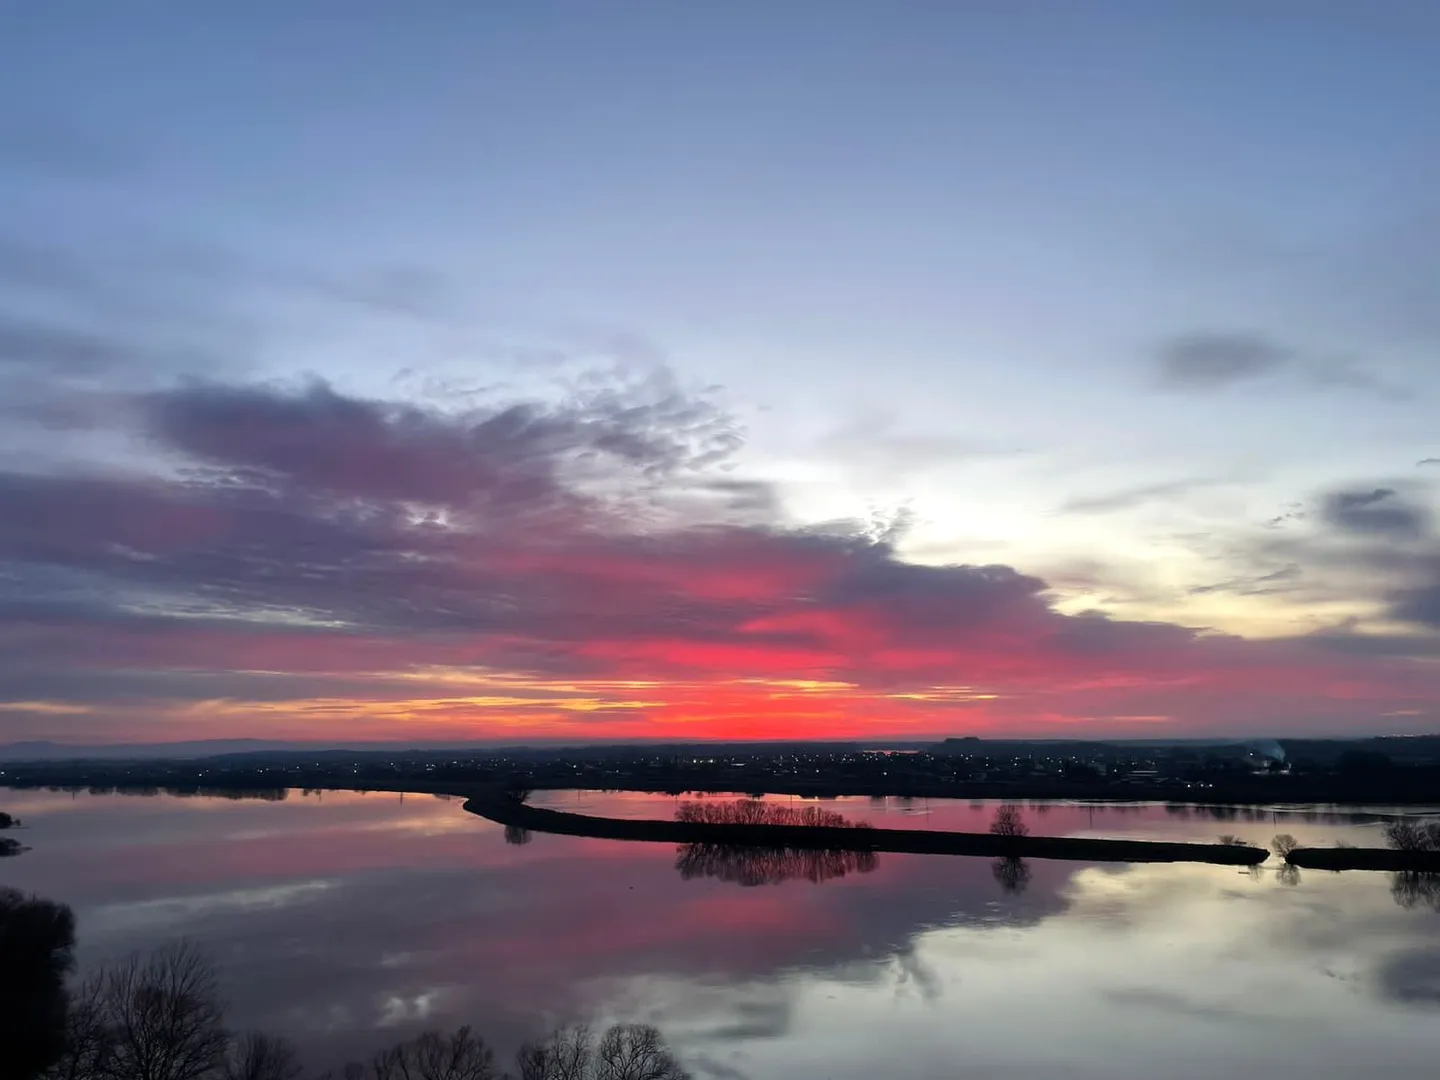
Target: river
347, 921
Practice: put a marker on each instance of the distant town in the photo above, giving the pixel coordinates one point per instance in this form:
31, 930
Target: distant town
1400, 770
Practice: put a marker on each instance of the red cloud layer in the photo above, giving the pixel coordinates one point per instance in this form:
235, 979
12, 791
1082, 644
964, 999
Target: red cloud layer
329, 548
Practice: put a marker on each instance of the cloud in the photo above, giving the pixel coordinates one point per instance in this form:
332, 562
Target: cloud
530, 557
1260, 584
1379, 512
1129, 498
1205, 360
1411, 977
57, 350
1208, 360
1424, 462
1420, 605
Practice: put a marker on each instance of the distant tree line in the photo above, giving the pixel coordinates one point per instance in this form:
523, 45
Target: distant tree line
159, 1017
757, 812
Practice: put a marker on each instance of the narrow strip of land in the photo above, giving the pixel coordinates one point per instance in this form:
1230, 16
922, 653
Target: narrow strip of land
1340, 858
507, 811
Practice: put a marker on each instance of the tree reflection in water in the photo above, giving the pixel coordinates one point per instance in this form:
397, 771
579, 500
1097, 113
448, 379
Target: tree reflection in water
1012, 874
1413, 889
769, 866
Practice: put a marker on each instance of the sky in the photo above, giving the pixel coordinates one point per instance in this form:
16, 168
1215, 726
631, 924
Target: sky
546, 371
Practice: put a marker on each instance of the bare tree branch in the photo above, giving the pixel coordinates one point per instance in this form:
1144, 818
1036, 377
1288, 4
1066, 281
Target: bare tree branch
257, 1056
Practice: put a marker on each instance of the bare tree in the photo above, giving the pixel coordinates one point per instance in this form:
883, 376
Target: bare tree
1009, 822
635, 1052
1231, 840
1284, 844
624, 1052
257, 1056
567, 1054
1411, 889
1407, 834
461, 1055
517, 834
164, 1016
88, 1043
1013, 875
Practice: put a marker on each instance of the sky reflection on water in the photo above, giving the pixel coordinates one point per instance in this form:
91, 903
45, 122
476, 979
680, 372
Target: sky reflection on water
349, 920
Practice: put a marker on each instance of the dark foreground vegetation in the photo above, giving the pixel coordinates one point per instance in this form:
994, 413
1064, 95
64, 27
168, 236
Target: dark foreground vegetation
731, 828
160, 1017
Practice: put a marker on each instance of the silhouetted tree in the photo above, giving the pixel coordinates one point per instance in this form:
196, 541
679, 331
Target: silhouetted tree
1407, 834
37, 943
1412, 889
164, 1017
1008, 821
517, 834
1012, 874
568, 1054
257, 1056
461, 1055
769, 866
624, 1052
635, 1052
1284, 844
89, 1046
1288, 875
753, 812
8, 822
1230, 840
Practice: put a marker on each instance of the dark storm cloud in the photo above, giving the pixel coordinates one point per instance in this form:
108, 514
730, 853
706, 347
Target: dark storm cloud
1378, 512
1207, 360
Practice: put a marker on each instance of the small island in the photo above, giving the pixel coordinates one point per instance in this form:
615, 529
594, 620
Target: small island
9, 846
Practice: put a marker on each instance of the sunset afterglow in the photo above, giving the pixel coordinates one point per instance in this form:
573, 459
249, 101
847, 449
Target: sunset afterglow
622, 397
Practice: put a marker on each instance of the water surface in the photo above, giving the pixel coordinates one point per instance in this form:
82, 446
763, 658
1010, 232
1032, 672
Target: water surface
348, 920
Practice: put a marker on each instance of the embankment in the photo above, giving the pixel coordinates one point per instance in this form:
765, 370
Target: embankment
907, 841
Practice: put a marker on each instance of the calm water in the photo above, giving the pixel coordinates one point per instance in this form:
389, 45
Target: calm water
348, 921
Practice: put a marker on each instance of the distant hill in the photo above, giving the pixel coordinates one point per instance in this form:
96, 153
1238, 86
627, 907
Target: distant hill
215, 748
40, 750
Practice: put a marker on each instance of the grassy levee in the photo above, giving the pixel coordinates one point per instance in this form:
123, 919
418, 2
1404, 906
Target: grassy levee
905, 841
1364, 859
